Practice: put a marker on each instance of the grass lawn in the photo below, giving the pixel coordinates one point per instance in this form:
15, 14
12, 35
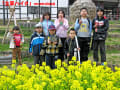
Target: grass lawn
113, 41
26, 31
113, 56
5, 47
114, 31
114, 22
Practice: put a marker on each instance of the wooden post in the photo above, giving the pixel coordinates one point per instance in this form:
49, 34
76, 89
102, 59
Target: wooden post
11, 14
12, 10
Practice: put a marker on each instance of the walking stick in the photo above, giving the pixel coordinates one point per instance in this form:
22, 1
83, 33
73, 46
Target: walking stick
11, 14
77, 47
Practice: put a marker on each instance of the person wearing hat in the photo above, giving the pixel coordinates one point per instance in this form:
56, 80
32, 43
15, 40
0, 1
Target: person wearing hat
100, 27
36, 43
16, 41
52, 44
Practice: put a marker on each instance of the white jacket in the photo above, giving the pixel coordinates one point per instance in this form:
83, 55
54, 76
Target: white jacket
10, 37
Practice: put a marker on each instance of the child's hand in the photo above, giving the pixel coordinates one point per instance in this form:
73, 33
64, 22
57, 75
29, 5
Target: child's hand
49, 42
80, 22
96, 25
78, 49
54, 43
31, 54
68, 54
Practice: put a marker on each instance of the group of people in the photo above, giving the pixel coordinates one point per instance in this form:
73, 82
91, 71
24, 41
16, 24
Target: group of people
54, 40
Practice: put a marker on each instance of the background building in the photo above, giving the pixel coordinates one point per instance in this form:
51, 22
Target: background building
32, 9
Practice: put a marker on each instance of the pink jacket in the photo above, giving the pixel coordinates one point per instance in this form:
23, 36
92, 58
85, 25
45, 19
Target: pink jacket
61, 30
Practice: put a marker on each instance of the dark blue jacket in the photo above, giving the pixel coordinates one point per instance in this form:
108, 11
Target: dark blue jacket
100, 33
36, 44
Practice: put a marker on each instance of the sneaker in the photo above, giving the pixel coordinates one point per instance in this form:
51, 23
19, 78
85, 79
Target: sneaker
80, 62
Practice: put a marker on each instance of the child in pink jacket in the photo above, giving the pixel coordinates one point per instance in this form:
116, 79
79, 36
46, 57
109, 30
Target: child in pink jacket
61, 24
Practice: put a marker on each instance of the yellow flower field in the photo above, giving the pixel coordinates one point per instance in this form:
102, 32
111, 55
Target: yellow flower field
76, 76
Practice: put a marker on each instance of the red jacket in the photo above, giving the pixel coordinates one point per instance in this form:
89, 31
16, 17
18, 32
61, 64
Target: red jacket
17, 39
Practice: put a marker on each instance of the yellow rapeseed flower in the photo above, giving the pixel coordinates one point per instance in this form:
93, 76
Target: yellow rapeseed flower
13, 61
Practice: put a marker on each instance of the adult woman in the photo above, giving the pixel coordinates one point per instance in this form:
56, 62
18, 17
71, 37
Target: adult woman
61, 24
46, 22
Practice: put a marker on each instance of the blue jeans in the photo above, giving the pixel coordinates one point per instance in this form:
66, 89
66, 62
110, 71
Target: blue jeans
50, 60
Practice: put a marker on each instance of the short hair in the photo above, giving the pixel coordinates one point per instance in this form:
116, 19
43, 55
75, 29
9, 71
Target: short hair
84, 8
47, 13
16, 28
62, 12
72, 29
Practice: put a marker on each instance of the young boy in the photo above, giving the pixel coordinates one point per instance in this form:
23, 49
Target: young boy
15, 43
70, 45
83, 27
36, 42
100, 27
52, 44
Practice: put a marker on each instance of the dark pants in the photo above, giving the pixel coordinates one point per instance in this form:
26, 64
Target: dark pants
61, 50
69, 58
84, 44
38, 60
100, 44
50, 60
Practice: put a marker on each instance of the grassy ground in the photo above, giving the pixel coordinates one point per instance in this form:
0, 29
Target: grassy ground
114, 22
113, 56
26, 31
113, 41
5, 47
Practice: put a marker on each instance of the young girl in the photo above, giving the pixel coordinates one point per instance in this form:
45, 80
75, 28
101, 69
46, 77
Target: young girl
100, 27
46, 22
61, 24
16, 41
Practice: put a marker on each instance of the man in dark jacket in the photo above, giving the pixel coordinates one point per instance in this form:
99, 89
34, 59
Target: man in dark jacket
70, 45
36, 42
100, 27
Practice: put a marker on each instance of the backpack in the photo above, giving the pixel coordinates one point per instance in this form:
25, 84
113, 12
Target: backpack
88, 21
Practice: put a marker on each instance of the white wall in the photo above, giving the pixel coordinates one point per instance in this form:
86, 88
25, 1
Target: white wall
61, 3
